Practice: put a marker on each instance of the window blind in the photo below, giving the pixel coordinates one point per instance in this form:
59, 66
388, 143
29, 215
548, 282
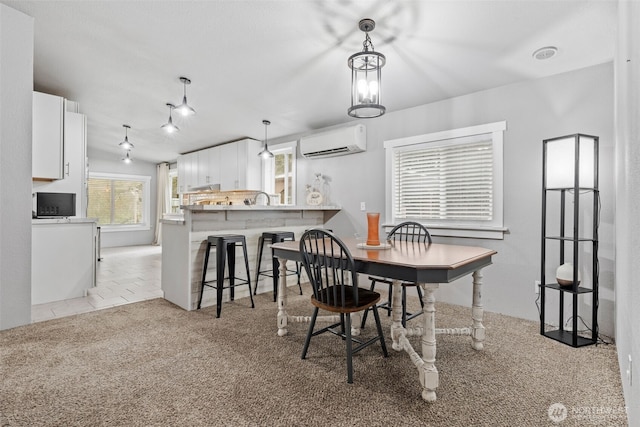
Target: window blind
444, 182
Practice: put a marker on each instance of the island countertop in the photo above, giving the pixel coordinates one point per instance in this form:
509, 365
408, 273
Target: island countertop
190, 210
258, 207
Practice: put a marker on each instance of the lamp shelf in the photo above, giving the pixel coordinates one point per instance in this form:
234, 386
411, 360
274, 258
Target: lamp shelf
568, 337
584, 189
570, 165
568, 289
570, 239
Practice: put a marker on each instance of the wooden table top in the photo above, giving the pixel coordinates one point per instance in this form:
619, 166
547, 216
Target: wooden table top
427, 256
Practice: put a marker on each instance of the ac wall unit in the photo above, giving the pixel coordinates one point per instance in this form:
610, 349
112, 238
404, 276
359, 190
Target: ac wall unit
336, 142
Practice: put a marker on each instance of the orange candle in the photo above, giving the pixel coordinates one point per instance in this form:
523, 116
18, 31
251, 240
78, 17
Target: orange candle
373, 221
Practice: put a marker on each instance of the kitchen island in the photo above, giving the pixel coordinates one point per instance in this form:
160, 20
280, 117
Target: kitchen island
184, 242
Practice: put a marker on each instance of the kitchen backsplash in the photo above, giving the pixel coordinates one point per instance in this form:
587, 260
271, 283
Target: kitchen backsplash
236, 198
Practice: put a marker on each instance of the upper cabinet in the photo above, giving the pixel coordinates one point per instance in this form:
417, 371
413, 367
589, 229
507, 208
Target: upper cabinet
74, 170
48, 137
187, 165
235, 166
249, 167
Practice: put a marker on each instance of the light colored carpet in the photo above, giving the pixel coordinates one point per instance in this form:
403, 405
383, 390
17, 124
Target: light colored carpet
154, 364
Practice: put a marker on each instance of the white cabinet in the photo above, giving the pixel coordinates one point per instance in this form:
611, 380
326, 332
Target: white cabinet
48, 137
212, 165
74, 174
208, 166
228, 162
63, 257
235, 166
182, 173
187, 172
240, 166
249, 165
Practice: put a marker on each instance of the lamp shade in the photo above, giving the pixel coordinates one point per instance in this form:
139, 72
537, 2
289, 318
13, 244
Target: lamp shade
564, 155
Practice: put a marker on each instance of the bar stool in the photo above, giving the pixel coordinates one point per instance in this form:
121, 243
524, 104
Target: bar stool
225, 251
274, 237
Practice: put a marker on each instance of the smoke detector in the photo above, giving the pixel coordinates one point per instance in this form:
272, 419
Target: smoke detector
545, 53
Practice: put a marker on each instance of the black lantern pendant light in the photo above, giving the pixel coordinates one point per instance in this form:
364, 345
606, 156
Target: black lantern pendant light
366, 77
265, 153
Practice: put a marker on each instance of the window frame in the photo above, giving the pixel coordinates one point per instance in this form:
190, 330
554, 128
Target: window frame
146, 200
268, 177
493, 229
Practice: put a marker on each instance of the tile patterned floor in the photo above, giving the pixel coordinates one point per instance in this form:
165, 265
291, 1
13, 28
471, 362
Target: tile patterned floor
125, 275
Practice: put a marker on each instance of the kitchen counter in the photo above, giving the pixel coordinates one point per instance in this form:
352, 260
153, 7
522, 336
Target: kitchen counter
63, 220
184, 241
63, 258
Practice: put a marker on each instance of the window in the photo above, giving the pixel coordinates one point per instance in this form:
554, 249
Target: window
119, 201
280, 172
173, 190
450, 181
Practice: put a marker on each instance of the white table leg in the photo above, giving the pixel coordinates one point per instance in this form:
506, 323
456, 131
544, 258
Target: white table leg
477, 312
397, 330
282, 298
429, 377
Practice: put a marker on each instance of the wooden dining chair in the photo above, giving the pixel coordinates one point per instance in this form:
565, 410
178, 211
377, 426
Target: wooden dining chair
408, 231
334, 280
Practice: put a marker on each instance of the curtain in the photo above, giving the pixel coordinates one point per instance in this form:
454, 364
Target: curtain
163, 198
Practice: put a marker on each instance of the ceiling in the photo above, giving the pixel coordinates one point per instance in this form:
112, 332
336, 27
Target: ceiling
286, 61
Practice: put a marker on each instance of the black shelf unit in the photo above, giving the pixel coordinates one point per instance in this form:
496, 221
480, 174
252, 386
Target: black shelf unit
580, 185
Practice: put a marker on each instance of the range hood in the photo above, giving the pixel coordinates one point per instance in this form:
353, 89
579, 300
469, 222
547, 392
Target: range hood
208, 187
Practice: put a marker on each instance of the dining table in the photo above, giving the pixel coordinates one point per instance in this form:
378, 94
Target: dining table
426, 264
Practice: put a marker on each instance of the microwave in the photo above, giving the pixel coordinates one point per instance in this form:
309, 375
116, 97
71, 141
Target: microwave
51, 205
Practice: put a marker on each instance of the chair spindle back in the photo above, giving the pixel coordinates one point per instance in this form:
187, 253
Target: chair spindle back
330, 268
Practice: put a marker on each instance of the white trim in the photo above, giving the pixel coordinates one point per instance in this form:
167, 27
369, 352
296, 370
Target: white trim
447, 134
494, 233
268, 165
491, 230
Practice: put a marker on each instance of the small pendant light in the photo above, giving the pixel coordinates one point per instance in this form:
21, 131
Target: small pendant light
126, 144
184, 108
169, 126
366, 80
127, 159
265, 153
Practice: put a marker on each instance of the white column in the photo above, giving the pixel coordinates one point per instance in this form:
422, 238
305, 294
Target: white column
16, 86
627, 202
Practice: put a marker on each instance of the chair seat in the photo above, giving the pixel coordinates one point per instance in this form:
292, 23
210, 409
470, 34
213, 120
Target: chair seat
366, 299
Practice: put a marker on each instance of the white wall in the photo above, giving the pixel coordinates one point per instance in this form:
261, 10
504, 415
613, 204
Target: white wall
106, 163
16, 85
580, 101
627, 166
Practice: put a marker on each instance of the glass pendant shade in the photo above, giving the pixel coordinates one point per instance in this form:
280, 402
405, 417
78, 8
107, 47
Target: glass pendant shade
127, 159
265, 153
366, 78
185, 109
126, 145
169, 127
